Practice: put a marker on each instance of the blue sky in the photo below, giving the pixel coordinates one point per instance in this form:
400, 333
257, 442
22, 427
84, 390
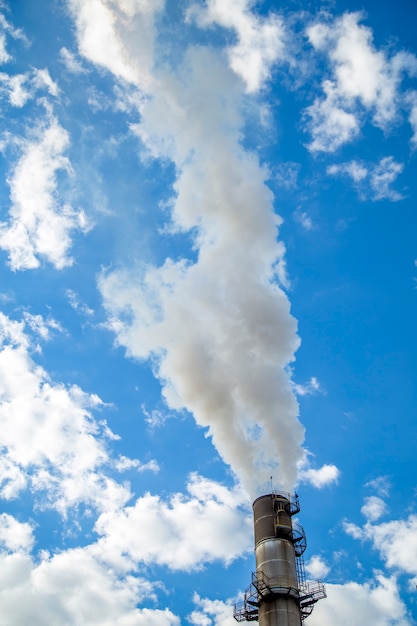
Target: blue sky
208, 260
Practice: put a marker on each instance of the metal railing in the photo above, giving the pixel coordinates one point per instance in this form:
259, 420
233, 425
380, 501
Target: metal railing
307, 593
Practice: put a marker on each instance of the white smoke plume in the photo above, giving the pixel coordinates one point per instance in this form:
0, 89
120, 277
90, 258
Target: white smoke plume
216, 326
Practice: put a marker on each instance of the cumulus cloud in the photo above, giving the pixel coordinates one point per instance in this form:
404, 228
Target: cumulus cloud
331, 125
15, 535
51, 442
261, 41
374, 602
53, 446
363, 80
395, 540
374, 508
211, 612
71, 588
321, 477
99, 583
183, 533
39, 227
14, 87
317, 567
397, 543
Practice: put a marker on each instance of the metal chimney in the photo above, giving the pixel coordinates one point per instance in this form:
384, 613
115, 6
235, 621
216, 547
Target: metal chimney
279, 594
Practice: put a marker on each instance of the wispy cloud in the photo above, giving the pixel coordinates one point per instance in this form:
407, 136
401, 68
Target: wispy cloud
39, 225
71, 62
312, 387
372, 180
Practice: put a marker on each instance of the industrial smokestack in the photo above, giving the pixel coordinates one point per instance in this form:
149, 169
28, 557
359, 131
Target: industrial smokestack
279, 594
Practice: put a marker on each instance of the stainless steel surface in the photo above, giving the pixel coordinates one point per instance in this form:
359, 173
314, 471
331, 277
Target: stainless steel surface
275, 558
279, 594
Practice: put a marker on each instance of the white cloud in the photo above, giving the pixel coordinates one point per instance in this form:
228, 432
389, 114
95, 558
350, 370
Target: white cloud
373, 508
262, 41
42, 79
372, 180
397, 543
310, 388
396, 540
319, 478
331, 125
123, 463
183, 533
14, 88
19, 88
73, 588
356, 170
211, 612
303, 218
4, 55
363, 80
155, 418
383, 175
285, 174
317, 567
8, 29
353, 530
74, 302
41, 326
411, 100
39, 226
15, 33
71, 62
118, 36
15, 535
374, 602
51, 442
380, 484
